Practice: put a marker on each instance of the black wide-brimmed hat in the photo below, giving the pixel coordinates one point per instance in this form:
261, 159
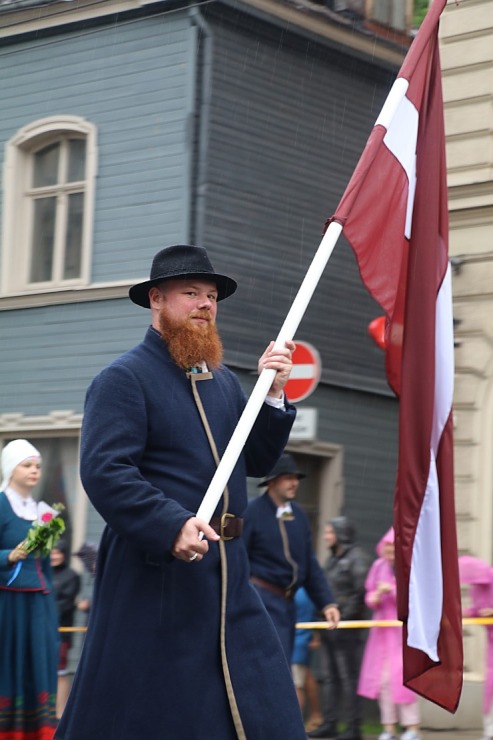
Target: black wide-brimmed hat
181, 261
284, 466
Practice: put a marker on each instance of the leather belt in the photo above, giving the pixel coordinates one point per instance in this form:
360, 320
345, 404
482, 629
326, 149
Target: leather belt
227, 526
286, 593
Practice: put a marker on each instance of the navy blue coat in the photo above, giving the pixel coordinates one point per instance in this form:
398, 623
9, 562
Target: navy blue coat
151, 665
268, 561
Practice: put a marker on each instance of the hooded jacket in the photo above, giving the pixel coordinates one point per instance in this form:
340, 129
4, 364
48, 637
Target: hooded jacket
346, 569
66, 583
383, 650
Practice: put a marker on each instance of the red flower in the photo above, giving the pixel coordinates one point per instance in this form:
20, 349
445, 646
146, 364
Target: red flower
47, 517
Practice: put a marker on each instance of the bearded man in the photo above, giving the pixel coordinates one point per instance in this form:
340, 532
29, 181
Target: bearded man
179, 646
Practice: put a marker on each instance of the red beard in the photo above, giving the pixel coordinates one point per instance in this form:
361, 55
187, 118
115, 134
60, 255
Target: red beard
189, 345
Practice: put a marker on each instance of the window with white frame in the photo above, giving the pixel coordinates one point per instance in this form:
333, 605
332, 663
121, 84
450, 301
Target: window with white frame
50, 168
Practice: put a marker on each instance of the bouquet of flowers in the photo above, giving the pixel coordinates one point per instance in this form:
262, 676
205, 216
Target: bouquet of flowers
43, 534
46, 530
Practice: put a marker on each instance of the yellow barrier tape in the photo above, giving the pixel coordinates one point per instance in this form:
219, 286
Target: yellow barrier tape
366, 623
346, 625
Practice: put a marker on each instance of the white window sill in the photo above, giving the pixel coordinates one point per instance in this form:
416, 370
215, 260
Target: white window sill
59, 296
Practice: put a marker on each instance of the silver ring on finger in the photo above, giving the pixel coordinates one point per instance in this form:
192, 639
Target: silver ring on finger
193, 557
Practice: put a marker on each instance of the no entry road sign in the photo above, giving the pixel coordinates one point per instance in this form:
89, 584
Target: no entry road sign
305, 373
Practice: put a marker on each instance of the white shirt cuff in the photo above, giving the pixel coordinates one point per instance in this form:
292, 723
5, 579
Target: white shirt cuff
278, 403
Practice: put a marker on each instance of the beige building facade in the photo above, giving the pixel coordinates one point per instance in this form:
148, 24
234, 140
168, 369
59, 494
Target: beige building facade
466, 48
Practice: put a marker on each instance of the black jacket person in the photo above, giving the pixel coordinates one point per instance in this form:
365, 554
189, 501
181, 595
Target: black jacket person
345, 569
66, 583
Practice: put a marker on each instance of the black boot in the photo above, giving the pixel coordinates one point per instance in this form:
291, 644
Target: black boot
326, 730
353, 734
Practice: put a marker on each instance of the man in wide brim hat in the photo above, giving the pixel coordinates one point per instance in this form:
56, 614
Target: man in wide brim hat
181, 261
286, 465
172, 601
279, 545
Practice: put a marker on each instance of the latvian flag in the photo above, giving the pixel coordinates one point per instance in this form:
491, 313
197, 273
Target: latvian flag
394, 215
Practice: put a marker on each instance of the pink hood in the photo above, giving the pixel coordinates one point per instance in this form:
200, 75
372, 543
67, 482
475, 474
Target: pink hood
387, 539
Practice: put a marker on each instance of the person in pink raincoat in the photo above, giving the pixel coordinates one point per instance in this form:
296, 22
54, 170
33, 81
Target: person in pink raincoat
478, 575
381, 669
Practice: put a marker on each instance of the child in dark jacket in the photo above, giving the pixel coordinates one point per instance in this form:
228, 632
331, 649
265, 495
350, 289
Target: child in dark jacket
66, 583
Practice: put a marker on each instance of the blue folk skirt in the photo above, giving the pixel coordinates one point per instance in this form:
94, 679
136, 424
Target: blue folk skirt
28, 665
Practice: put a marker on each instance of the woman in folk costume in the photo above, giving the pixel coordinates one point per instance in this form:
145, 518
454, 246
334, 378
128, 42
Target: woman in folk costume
381, 670
28, 616
478, 575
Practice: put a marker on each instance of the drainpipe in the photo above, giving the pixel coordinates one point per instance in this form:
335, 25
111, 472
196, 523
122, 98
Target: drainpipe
202, 124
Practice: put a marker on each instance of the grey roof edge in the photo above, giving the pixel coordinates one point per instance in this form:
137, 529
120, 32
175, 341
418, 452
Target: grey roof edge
299, 16
324, 25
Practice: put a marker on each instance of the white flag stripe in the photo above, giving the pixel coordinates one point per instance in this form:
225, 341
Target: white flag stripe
410, 201
444, 359
402, 135
300, 372
426, 579
397, 92
401, 139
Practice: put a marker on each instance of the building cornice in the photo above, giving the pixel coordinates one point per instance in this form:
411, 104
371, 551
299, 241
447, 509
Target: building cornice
318, 21
20, 18
383, 47
476, 198
57, 297
58, 422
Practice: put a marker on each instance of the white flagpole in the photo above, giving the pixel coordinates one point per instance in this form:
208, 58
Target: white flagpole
264, 382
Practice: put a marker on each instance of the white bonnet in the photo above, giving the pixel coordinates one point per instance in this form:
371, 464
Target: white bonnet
14, 453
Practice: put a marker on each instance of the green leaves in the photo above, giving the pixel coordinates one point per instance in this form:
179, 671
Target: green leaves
42, 537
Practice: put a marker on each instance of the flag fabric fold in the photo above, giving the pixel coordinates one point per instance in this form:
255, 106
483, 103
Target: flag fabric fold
394, 214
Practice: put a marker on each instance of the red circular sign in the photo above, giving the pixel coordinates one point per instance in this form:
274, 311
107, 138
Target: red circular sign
305, 373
